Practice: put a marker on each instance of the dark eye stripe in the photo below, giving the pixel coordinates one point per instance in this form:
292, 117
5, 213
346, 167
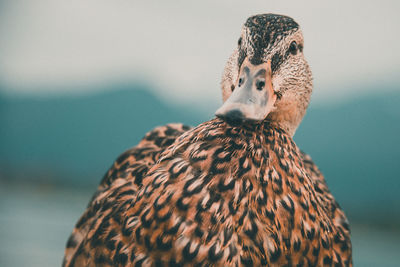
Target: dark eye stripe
276, 61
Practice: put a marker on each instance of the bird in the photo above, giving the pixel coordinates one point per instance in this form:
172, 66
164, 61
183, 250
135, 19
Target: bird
233, 191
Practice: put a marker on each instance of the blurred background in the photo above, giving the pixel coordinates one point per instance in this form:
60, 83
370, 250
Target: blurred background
82, 81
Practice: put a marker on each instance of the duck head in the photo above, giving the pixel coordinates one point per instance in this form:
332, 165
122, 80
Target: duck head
267, 76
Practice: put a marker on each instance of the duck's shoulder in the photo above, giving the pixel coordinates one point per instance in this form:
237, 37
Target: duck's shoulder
134, 163
314, 172
319, 184
123, 179
330, 205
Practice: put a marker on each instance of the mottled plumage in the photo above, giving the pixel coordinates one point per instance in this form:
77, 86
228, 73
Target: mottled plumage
229, 192
219, 195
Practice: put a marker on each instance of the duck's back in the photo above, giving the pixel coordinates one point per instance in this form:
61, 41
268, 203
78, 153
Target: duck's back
218, 195
131, 166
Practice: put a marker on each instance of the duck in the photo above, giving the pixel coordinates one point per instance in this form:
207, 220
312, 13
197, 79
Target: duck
233, 191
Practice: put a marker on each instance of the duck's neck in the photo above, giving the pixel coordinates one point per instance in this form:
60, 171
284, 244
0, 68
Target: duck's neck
263, 155
286, 117
248, 138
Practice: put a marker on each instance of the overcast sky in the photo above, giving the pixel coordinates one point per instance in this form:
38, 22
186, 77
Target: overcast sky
182, 46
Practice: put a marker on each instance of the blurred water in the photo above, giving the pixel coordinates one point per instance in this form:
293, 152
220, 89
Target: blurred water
36, 222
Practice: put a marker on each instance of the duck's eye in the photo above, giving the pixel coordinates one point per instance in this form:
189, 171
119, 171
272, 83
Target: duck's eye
293, 48
240, 41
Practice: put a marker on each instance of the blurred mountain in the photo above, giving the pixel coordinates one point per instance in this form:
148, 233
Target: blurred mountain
73, 140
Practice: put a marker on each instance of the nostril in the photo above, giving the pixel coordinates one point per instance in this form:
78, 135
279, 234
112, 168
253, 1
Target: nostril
240, 82
260, 85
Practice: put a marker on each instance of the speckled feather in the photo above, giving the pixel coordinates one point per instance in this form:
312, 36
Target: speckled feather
220, 196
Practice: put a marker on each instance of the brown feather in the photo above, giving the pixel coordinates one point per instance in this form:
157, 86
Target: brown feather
218, 195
